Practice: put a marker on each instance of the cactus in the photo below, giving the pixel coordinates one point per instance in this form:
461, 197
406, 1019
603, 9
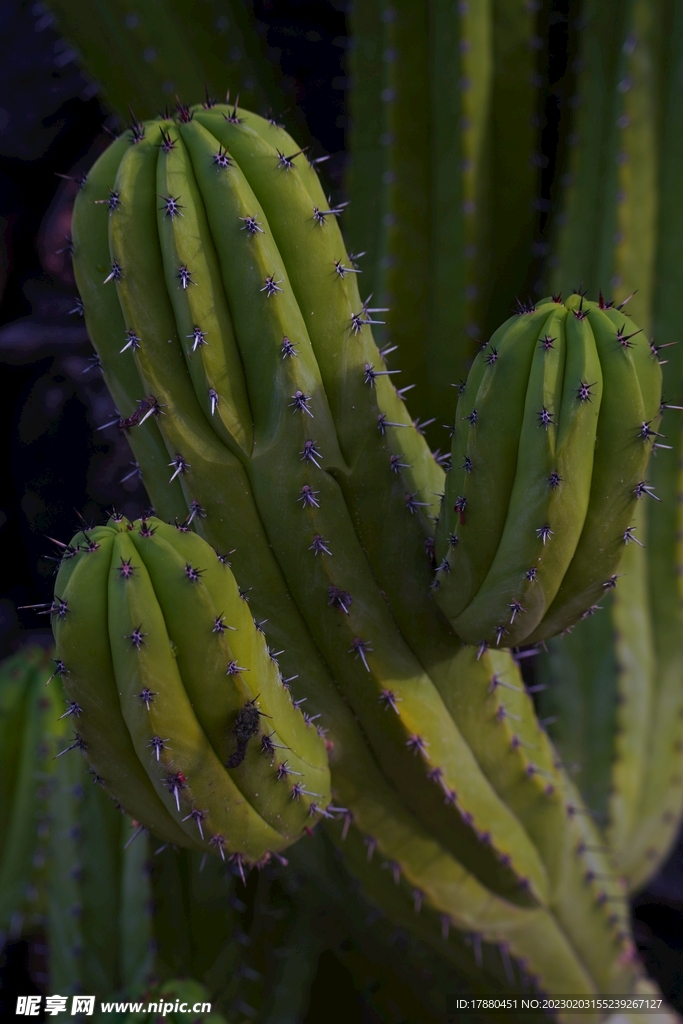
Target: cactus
227, 315
619, 237
99, 928
68, 868
143, 57
140, 605
29, 729
442, 178
237, 299
539, 510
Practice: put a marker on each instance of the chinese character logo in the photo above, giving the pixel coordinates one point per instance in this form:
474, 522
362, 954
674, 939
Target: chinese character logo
28, 1006
83, 1004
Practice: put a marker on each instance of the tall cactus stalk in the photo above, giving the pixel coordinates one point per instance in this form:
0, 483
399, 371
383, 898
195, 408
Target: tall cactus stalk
442, 178
141, 57
628, 132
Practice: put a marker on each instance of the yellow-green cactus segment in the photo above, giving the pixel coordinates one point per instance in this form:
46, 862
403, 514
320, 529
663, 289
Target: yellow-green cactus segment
31, 735
84, 663
229, 683
550, 494
248, 645
477, 495
95, 204
323, 562
498, 720
391, 520
627, 429
169, 741
213, 478
218, 493
325, 284
532, 937
194, 287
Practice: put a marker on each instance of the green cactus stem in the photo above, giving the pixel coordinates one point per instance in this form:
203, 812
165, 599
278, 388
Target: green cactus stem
30, 735
538, 514
184, 700
260, 322
143, 57
256, 489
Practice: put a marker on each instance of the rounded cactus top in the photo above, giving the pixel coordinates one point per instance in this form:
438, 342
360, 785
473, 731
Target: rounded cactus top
554, 428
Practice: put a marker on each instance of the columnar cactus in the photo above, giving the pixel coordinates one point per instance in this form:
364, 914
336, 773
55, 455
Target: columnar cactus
208, 257
443, 168
30, 733
620, 226
170, 681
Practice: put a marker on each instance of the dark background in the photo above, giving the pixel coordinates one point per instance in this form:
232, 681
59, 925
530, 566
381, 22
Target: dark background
55, 464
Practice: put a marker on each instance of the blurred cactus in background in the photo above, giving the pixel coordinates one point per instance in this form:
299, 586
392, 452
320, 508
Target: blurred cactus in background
407, 603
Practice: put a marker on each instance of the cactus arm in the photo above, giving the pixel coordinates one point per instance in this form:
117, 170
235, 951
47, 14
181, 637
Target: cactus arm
591, 175
512, 174
606, 235
163, 51
248, 646
64, 906
460, 93
492, 445
213, 476
101, 724
629, 247
204, 658
328, 303
135, 914
578, 698
565, 448
98, 871
183, 768
634, 649
662, 805
37, 726
408, 273
620, 461
199, 306
106, 326
368, 142
15, 676
308, 575
498, 721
